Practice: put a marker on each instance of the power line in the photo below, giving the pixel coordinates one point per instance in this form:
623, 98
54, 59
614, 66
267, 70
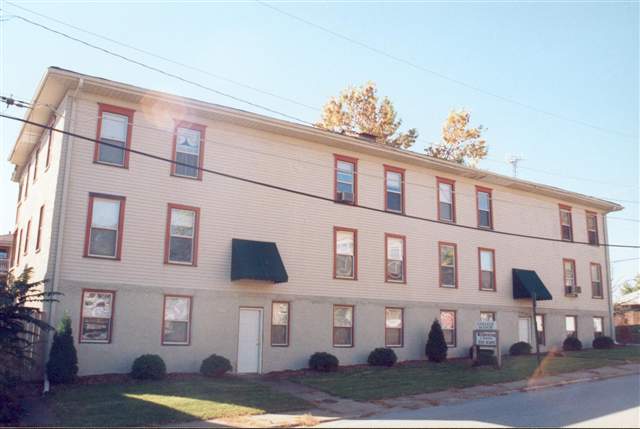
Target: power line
440, 75
303, 193
163, 58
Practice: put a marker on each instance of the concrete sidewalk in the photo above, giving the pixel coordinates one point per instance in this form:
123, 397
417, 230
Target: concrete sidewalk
327, 408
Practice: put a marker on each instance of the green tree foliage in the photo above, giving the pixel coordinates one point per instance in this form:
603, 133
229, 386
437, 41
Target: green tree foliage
460, 142
359, 111
63, 359
436, 348
631, 286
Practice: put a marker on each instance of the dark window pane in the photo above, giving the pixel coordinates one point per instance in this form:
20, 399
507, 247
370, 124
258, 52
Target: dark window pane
593, 237
445, 211
485, 219
188, 159
279, 334
566, 233
344, 266
342, 336
176, 332
112, 155
393, 336
180, 249
394, 201
448, 276
95, 329
487, 280
103, 242
449, 336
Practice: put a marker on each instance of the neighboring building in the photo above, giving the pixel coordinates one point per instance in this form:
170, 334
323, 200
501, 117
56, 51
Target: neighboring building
6, 244
159, 258
627, 309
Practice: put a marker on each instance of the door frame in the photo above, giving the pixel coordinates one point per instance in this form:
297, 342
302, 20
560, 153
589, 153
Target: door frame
260, 337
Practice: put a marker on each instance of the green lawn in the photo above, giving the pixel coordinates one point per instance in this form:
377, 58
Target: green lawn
369, 383
162, 402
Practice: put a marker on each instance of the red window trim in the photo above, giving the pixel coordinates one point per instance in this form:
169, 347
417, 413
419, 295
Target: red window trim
119, 236
595, 215
39, 235
455, 326
196, 233
26, 238
394, 346
353, 161
490, 192
455, 261
164, 308
387, 236
493, 257
113, 312
564, 207
288, 324
355, 251
453, 198
353, 326
192, 126
102, 107
387, 169
575, 274
591, 276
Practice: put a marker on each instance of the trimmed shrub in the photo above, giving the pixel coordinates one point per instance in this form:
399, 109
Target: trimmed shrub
436, 348
571, 344
603, 342
323, 362
215, 366
62, 366
520, 348
148, 367
382, 356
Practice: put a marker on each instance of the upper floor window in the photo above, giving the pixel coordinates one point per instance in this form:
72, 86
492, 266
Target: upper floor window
96, 318
393, 329
566, 224
345, 262
484, 205
448, 324
448, 265
104, 226
592, 227
114, 130
487, 271
571, 326
176, 323
280, 324
187, 150
598, 326
394, 189
343, 326
39, 234
596, 280
396, 269
182, 235
446, 200
346, 179
570, 284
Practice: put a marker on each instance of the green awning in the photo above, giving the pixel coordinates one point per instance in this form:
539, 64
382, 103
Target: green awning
256, 260
526, 283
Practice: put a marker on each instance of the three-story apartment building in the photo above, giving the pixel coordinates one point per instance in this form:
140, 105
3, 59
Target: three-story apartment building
351, 245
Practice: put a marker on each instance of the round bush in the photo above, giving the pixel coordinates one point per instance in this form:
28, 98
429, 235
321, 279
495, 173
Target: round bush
520, 348
215, 366
382, 356
323, 362
603, 342
148, 367
571, 344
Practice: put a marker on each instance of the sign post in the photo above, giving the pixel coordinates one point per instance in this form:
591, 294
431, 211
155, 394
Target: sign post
486, 335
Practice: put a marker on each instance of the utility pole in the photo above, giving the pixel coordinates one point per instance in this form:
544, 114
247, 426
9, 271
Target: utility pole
514, 160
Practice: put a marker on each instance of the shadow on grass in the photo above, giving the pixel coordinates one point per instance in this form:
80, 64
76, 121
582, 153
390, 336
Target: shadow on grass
165, 402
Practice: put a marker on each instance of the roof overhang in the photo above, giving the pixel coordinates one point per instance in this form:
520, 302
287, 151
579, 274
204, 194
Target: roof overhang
57, 82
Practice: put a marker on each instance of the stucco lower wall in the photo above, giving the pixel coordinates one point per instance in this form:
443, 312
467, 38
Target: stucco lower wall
138, 321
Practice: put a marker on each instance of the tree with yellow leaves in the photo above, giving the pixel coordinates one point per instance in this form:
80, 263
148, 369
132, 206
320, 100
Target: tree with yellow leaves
357, 111
460, 143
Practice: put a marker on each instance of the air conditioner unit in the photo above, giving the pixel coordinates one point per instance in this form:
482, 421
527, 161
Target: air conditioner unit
394, 270
344, 197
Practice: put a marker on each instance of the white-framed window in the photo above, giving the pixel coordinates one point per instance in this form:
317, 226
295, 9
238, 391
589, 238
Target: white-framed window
396, 267
114, 130
280, 324
448, 269
105, 226
571, 326
345, 179
188, 151
569, 269
446, 204
345, 253
592, 228
448, 324
182, 235
485, 217
394, 187
96, 322
566, 223
487, 269
176, 326
343, 326
596, 280
598, 326
393, 327
540, 329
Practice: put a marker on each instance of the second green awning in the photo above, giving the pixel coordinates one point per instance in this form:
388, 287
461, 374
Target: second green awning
527, 284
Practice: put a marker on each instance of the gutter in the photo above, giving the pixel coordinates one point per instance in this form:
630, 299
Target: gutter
607, 262
66, 150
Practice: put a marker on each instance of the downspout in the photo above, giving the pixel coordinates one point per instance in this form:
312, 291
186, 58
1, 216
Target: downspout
66, 149
607, 262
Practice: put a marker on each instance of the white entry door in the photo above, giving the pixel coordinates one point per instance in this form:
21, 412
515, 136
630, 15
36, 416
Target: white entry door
250, 340
524, 329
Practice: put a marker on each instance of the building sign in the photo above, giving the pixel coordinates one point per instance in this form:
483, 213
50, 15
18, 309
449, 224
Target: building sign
486, 338
486, 325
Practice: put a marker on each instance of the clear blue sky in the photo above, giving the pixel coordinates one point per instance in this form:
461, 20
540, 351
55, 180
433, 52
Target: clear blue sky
579, 60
